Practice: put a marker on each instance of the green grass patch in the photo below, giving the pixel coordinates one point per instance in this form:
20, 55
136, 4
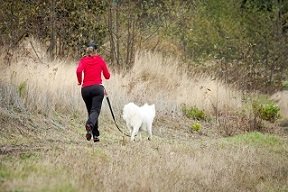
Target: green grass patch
18, 167
270, 142
27, 168
4, 173
256, 138
60, 187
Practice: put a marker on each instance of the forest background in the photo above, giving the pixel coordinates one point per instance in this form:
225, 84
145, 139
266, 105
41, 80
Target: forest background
245, 40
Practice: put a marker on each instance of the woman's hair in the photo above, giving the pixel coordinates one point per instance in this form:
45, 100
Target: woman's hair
91, 48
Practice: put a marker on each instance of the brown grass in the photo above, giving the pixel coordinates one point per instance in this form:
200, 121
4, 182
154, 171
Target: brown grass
161, 80
51, 85
281, 98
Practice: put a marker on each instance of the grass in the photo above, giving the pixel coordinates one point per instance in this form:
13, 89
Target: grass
51, 85
35, 174
42, 145
258, 139
270, 142
159, 165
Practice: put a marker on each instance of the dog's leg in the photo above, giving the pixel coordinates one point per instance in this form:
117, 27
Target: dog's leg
140, 135
134, 133
133, 136
129, 127
149, 130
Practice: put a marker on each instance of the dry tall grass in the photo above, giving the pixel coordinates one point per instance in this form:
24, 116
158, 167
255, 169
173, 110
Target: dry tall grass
281, 98
48, 86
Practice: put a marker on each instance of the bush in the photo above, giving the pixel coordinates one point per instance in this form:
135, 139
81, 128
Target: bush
266, 111
196, 127
194, 113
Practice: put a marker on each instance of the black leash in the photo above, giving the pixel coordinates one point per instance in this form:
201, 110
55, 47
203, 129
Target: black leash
108, 101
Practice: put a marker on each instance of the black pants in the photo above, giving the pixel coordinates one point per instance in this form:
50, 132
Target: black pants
93, 97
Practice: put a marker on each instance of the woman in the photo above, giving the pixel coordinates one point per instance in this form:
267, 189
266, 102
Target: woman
92, 90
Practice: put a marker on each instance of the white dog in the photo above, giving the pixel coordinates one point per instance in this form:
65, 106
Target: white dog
139, 118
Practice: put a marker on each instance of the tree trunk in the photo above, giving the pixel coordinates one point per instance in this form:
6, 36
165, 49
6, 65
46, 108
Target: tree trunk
111, 36
117, 27
52, 46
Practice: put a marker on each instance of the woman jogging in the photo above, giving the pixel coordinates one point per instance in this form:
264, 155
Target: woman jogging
92, 91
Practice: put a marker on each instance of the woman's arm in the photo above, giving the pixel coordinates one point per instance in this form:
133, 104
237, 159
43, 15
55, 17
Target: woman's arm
79, 71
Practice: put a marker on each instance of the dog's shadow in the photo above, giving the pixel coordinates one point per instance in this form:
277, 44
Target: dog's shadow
125, 140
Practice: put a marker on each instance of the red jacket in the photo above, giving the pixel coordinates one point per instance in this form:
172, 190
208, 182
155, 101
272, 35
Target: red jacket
92, 66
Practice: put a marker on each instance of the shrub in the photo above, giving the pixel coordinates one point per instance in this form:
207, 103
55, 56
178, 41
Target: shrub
196, 127
267, 111
194, 113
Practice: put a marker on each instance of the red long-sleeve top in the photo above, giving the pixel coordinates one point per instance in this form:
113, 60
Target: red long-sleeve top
93, 67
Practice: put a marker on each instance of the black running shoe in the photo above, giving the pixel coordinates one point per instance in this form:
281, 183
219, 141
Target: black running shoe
89, 132
96, 139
